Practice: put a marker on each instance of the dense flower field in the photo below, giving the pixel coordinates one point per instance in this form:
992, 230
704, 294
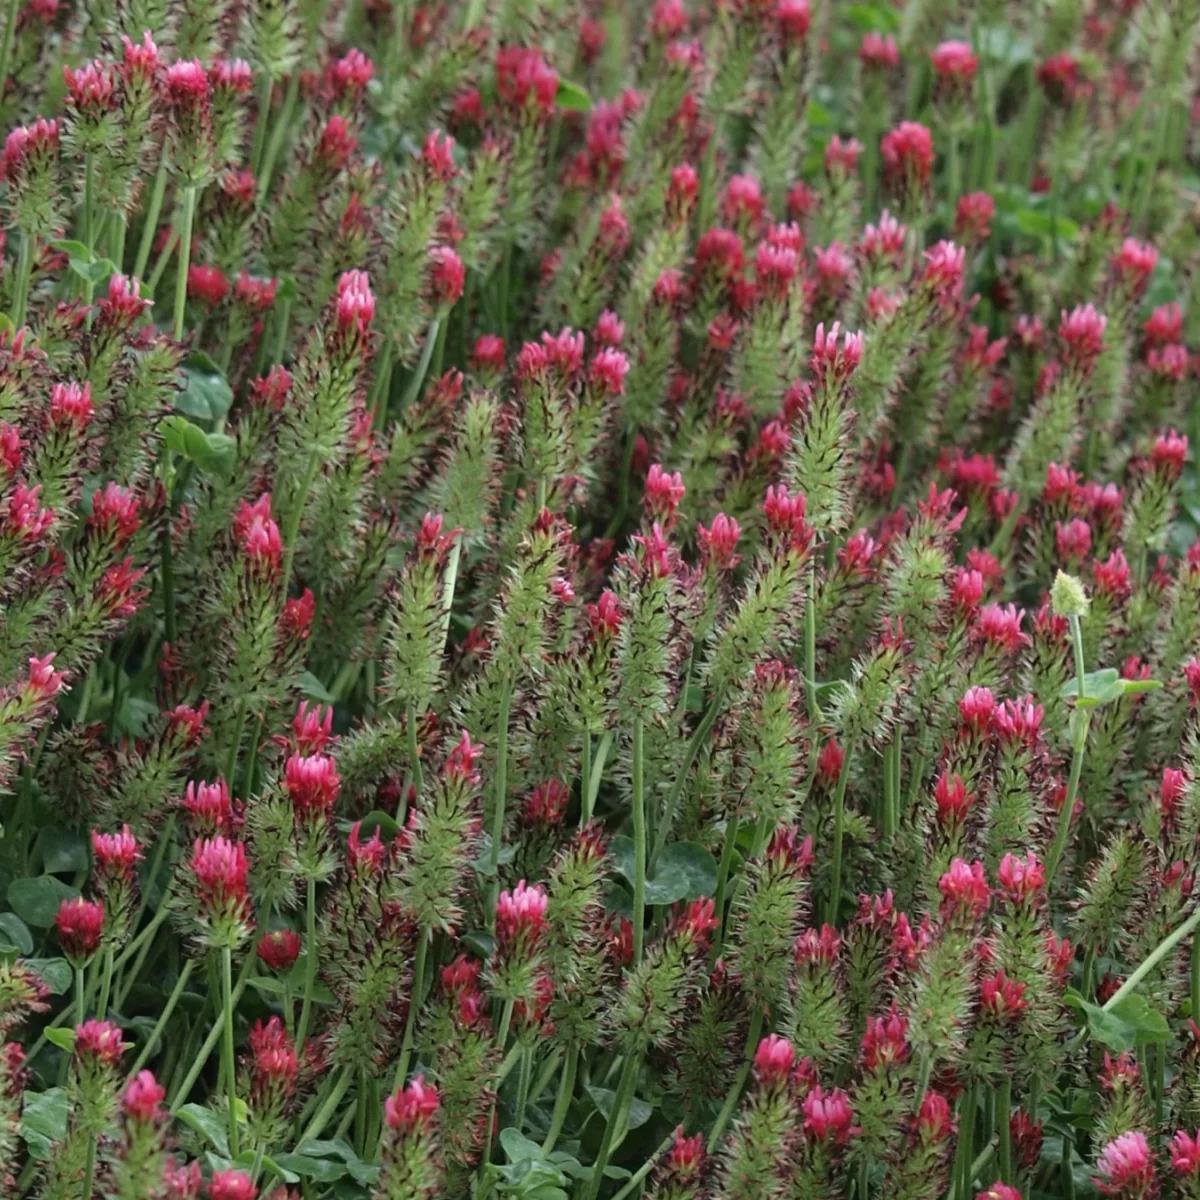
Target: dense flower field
599, 600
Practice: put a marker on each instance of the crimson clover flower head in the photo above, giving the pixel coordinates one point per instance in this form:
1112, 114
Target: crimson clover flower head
274, 1064
793, 18
967, 591
1169, 454
934, 1120
142, 1101
1125, 1167
1111, 576
907, 152
349, 75
954, 62
830, 762
91, 89
114, 513
313, 786
546, 805
718, 543
1185, 1155
743, 201
231, 75
71, 407
999, 1191
1171, 789
944, 270
682, 190
885, 1041
719, 251
279, 949
80, 924
218, 867
785, 518
207, 284
884, 241
964, 889
696, 922
98, 1043
1018, 721
609, 331
1073, 540
312, 727
118, 590
1120, 1073
818, 945
44, 682
842, 155
685, 1159
258, 535
828, 1117
1001, 997
953, 800
209, 807
786, 847
115, 855
999, 625
775, 267
773, 1061
25, 519
1170, 363
520, 917
1021, 879
973, 217
608, 370
26, 147
355, 302
652, 552
879, 52
1164, 326
447, 277
123, 303
663, 495
1060, 76
525, 82
1026, 1136
182, 1183
488, 356
231, 1185
831, 364
140, 61
461, 763
604, 617
1081, 332
1134, 263
412, 1109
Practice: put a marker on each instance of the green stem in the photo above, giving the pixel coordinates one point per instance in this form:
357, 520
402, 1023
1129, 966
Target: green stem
414, 1003
310, 962
689, 756
278, 133
414, 752
21, 286
500, 795
523, 1086
149, 228
1152, 960
810, 657
321, 1118
562, 1103
230, 1064
283, 319
1064, 817
89, 1170
260, 123
632, 1183
585, 782
297, 515
164, 1017
235, 745
105, 985
1068, 1170
185, 255
616, 1117
413, 391
10, 24
89, 220
639, 845
449, 583
952, 175
80, 1006
1003, 1129
839, 819
602, 750
739, 1082
731, 835
381, 385
1195, 992
439, 348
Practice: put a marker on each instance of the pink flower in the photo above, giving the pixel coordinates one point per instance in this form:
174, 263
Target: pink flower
1165, 325
258, 534
696, 922
520, 914
1171, 790
934, 1121
743, 200
830, 364
186, 84
1112, 575
610, 329
71, 406
1072, 540
351, 74
828, 1117
447, 276
488, 355
999, 1191
608, 370
965, 889
273, 1065
1021, 878
785, 516
1125, 1167
44, 683
25, 143
879, 52
907, 153
830, 762
953, 800
1170, 363
143, 1098
1059, 75
719, 543
944, 270
99, 1043
79, 924
885, 1041
682, 190
973, 217
221, 874
313, 785
668, 19
775, 268
1134, 263
231, 75
141, 59
773, 1061
1169, 454
525, 81
842, 156
686, 1157
462, 760
231, 1185
1082, 334
954, 62
547, 804
818, 946
355, 302
336, 146
976, 708
999, 625
794, 18
115, 513
1185, 1154
279, 949
967, 591
1018, 721
437, 154
90, 89
411, 1109
1001, 997
115, 854
663, 494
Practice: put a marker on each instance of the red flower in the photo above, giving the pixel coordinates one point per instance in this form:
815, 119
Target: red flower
1134, 263
934, 1121
828, 363
520, 915
885, 1041
114, 513
686, 1157
830, 762
953, 800
488, 354
447, 276
908, 152
355, 302
773, 1061
818, 946
143, 1099
71, 406
608, 370
412, 1109
1072, 540
696, 922
461, 761
313, 785
220, 870
1018, 721
828, 1117
1185, 1154
279, 949
1112, 575
115, 854
964, 888
209, 808
1125, 1167
878, 51
79, 924
99, 1043
954, 62
1020, 878
1171, 790
999, 625
1002, 997
976, 708
999, 1191
525, 81
231, 1185
664, 492
547, 804
973, 217
1169, 454
1082, 334
967, 591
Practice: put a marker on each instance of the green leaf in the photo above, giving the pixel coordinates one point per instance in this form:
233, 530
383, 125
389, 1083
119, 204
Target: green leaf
685, 871
1130, 1023
205, 394
365, 1173
878, 18
1035, 223
313, 688
72, 249
44, 1121
377, 819
57, 974
93, 272
36, 900
572, 97
64, 850
323, 1170
210, 452
639, 1111
1103, 687
62, 1037
14, 934
207, 1124
268, 985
